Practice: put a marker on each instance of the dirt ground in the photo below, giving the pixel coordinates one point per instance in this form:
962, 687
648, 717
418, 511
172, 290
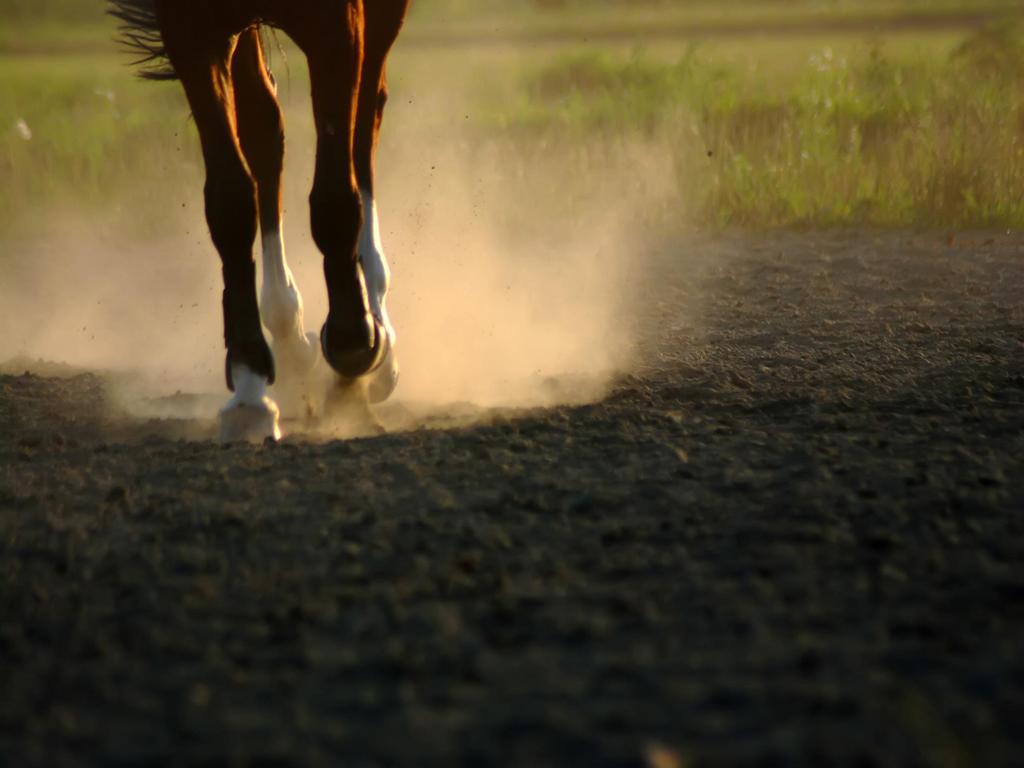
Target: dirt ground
792, 535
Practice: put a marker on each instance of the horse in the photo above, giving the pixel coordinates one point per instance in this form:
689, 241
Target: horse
217, 52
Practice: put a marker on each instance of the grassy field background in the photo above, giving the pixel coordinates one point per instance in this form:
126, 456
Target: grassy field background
752, 114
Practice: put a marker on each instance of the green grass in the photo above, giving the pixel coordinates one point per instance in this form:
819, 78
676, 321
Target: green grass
908, 130
599, 18
78, 133
879, 136
33, 26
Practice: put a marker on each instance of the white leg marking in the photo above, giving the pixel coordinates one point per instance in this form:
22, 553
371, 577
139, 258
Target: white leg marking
295, 351
378, 279
375, 266
280, 300
250, 388
250, 414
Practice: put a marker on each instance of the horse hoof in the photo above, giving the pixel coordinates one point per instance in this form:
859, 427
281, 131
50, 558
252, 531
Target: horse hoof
353, 360
382, 382
250, 423
295, 360
296, 357
347, 407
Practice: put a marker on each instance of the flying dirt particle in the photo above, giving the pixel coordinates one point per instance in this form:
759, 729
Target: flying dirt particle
24, 132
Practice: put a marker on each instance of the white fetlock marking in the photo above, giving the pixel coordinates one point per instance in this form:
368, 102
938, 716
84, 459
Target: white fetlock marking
375, 265
250, 388
280, 300
295, 351
250, 414
378, 279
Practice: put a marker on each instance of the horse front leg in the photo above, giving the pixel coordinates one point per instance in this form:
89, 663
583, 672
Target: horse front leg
261, 136
230, 196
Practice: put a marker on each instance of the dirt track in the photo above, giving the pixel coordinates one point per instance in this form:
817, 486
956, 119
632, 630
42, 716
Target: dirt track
793, 535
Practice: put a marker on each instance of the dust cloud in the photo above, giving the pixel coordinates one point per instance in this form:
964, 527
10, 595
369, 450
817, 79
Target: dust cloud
514, 278
506, 291
78, 296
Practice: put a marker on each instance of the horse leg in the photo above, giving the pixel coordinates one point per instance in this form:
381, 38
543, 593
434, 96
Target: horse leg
353, 340
260, 127
230, 195
382, 25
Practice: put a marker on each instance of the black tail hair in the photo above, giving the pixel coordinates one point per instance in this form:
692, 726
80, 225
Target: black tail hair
140, 35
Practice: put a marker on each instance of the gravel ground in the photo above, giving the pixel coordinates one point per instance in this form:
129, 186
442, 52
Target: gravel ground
792, 535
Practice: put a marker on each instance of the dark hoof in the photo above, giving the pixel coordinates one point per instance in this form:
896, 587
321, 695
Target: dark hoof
355, 355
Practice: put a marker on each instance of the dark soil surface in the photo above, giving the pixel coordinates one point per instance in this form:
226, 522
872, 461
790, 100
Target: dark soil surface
793, 535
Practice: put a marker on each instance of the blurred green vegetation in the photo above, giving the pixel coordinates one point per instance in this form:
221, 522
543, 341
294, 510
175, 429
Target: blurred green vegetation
79, 25
888, 130
20, 11
79, 133
885, 138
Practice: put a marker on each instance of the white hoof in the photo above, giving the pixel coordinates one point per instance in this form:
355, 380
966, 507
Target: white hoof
295, 356
250, 423
347, 409
381, 382
295, 361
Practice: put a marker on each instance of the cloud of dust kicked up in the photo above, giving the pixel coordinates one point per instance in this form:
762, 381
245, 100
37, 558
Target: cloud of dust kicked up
513, 280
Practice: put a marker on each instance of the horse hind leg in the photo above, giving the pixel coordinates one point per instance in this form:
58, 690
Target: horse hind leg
230, 195
353, 340
260, 126
382, 25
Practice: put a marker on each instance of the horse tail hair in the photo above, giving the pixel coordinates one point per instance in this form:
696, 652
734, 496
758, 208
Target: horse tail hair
139, 34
